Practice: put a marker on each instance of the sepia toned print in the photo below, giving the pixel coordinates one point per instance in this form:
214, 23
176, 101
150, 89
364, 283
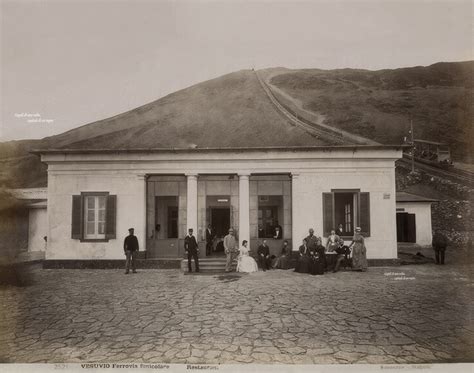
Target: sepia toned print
236, 185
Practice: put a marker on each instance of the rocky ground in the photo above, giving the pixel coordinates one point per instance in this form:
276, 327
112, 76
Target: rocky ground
407, 314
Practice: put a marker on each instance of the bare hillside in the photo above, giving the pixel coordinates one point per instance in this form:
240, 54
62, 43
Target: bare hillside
379, 104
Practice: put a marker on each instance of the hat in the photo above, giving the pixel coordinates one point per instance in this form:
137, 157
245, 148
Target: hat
358, 229
131, 229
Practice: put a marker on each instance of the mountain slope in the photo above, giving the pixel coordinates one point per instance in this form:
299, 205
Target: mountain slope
379, 104
373, 104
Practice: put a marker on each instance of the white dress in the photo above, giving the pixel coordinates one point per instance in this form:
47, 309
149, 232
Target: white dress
246, 263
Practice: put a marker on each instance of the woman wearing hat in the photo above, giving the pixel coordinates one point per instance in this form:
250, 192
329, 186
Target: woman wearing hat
359, 253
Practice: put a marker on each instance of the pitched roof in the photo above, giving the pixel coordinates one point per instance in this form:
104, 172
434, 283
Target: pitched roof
232, 111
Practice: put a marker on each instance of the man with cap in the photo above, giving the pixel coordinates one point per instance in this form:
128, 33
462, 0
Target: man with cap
130, 248
191, 247
230, 248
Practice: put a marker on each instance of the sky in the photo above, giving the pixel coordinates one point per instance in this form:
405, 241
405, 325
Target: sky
68, 63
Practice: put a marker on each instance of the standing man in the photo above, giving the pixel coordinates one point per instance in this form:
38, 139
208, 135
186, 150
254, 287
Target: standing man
439, 243
209, 239
264, 256
340, 230
278, 231
312, 240
191, 247
130, 248
230, 249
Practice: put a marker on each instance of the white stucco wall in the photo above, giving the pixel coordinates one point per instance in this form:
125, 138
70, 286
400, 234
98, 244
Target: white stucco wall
130, 191
315, 171
422, 211
37, 229
378, 182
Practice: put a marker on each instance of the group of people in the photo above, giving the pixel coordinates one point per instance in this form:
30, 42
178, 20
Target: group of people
313, 257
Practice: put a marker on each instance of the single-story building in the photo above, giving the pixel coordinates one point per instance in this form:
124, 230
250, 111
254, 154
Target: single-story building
218, 153
414, 218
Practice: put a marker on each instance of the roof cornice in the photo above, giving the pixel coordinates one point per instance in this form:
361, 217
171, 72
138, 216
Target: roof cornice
353, 148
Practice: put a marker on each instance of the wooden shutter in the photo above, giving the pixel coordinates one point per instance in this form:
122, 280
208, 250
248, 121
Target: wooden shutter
364, 213
77, 217
328, 213
111, 217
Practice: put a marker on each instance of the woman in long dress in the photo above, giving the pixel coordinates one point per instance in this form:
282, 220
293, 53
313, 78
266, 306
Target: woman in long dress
245, 263
359, 252
304, 261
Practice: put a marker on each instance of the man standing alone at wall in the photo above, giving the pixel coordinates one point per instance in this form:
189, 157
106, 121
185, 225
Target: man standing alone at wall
191, 247
440, 242
130, 247
230, 249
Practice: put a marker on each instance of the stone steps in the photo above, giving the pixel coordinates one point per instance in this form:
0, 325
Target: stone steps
208, 265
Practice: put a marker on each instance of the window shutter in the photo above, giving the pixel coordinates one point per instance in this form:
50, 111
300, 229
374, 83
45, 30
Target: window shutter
364, 213
111, 216
77, 217
328, 213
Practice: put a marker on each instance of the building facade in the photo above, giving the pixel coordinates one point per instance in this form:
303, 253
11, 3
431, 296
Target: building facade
95, 196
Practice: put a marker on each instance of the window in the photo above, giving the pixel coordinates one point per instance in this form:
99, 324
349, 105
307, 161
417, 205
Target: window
93, 216
347, 208
269, 210
172, 221
166, 217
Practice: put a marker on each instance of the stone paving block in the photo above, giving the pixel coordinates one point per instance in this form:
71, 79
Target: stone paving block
201, 319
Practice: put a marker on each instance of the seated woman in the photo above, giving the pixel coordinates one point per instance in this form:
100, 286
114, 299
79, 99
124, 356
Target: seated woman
246, 263
283, 261
333, 243
316, 266
304, 260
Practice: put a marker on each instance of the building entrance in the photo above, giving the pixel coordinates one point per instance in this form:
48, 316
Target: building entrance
219, 214
220, 220
406, 227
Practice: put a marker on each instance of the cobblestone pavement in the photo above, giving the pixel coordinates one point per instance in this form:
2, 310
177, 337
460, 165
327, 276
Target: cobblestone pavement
273, 317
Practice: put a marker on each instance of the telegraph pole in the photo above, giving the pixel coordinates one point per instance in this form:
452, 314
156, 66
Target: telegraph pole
412, 147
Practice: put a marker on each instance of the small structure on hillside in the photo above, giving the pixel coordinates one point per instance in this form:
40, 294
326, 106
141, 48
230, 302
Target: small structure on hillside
414, 218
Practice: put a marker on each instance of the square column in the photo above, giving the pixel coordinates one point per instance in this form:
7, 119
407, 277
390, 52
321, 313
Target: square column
141, 229
244, 208
192, 204
296, 224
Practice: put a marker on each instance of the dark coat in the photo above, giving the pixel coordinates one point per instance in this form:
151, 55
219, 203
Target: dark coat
209, 235
303, 250
263, 249
280, 231
130, 243
190, 243
312, 242
439, 241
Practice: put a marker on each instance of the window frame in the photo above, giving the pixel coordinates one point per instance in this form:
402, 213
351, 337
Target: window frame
97, 221
356, 213
83, 196
276, 207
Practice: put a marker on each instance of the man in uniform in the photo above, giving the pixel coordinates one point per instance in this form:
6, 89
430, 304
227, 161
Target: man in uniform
191, 247
130, 248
